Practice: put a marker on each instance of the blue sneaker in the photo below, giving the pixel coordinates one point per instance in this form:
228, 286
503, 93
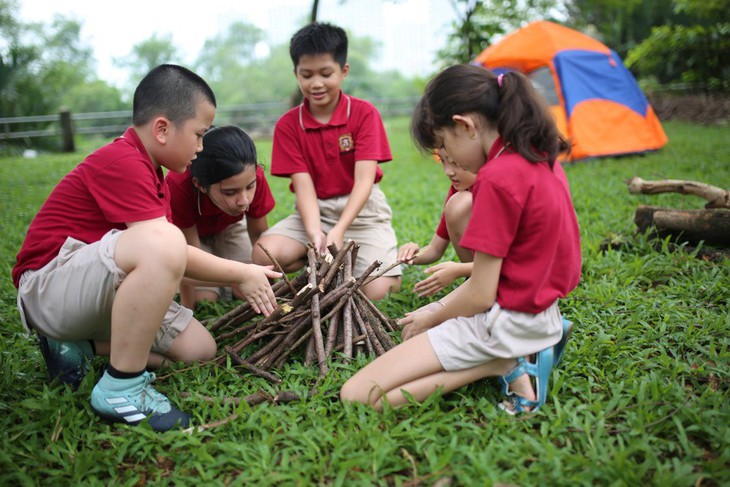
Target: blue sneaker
131, 401
69, 362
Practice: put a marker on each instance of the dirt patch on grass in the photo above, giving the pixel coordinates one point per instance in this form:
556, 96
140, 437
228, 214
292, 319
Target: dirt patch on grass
701, 108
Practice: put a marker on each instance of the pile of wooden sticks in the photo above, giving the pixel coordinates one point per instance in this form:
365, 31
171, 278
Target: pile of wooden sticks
321, 311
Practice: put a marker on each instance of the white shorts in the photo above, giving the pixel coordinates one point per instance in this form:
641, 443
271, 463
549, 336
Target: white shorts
467, 341
371, 229
71, 297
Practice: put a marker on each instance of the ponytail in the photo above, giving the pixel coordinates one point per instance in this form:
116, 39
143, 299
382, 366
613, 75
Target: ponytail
525, 123
508, 102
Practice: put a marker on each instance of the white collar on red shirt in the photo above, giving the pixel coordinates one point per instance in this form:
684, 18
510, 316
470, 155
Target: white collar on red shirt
335, 120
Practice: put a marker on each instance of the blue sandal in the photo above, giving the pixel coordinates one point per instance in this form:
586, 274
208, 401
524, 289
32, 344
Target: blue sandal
559, 348
540, 370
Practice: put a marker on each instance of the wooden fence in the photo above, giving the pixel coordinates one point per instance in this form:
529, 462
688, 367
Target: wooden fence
257, 119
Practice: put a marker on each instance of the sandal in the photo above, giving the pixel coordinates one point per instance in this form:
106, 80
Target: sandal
559, 348
540, 370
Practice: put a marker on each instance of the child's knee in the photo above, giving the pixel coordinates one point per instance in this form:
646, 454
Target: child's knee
258, 256
194, 344
154, 244
458, 208
381, 287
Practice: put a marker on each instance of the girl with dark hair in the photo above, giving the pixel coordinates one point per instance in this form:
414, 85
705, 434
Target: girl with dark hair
454, 219
220, 203
504, 320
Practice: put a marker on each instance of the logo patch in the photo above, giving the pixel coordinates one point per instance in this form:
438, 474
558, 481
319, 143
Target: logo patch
346, 143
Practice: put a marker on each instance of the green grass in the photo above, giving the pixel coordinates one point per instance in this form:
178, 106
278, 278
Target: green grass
640, 398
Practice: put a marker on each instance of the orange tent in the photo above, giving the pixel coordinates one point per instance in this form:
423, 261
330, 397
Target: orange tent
595, 100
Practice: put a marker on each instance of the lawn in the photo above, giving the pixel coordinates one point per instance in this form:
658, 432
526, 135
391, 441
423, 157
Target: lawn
639, 399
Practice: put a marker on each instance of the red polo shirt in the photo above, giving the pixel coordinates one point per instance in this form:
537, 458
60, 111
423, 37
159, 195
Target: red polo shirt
116, 184
208, 218
523, 213
328, 152
441, 230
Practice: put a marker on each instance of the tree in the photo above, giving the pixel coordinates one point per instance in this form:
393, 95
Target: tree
694, 54
480, 22
620, 24
148, 54
235, 47
41, 65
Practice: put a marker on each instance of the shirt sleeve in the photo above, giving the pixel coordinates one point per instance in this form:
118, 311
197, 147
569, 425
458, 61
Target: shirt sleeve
287, 153
138, 193
372, 140
441, 230
494, 222
263, 200
182, 201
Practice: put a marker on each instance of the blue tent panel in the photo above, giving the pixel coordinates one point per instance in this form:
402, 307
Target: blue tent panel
587, 75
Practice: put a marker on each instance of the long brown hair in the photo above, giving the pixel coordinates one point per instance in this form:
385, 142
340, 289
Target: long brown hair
515, 109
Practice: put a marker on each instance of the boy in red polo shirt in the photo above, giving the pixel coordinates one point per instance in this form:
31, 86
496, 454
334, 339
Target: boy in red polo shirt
330, 146
101, 261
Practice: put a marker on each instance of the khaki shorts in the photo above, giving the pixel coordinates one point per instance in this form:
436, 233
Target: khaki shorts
372, 229
71, 297
233, 243
467, 341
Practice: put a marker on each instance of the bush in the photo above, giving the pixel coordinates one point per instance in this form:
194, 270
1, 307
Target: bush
694, 55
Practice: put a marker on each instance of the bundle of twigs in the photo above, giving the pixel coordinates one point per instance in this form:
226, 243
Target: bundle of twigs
321, 311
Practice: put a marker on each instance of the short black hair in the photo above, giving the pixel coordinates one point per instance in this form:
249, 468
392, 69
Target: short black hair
172, 91
319, 38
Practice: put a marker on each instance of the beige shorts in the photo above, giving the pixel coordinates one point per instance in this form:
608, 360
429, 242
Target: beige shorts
467, 341
71, 297
372, 229
233, 243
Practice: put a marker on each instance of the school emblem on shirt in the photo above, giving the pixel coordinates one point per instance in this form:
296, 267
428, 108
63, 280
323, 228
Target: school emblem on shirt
346, 143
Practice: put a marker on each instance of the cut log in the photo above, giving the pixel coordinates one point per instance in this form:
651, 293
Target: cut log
710, 225
716, 197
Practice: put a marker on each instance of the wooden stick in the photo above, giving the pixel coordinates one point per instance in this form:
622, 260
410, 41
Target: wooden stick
278, 267
233, 333
316, 324
381, 273
356, 339
709, 225
389, 323
251, 368
379, 350
347, 312
377, 327
252, 400
337, 263
716, 197
331, 334
292, 345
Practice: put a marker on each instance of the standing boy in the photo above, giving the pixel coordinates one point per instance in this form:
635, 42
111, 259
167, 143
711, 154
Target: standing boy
101, 262
330, 146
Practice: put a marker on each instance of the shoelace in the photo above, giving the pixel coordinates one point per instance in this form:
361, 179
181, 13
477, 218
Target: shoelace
157, 402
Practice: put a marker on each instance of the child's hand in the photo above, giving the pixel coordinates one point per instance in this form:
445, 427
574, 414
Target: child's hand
256, 289
336, 237
419, 320
319, 240
407, 252
441, 276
